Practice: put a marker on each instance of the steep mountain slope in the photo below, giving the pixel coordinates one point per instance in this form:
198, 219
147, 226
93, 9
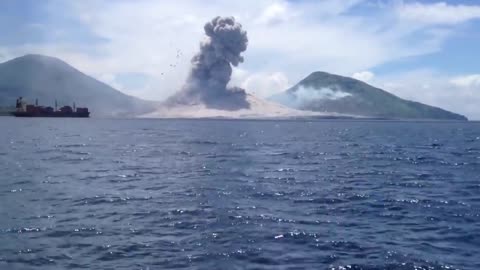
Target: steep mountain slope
48, 79
324, 92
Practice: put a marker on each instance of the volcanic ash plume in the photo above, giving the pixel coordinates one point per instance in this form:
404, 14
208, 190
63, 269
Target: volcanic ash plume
211, 68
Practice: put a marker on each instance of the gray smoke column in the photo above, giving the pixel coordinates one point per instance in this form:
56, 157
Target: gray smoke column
212, 68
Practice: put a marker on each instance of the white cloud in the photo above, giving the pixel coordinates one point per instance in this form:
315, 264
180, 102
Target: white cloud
365, 76
438, 13
457, 94
265, 84
467, 81
275, 13
306, 94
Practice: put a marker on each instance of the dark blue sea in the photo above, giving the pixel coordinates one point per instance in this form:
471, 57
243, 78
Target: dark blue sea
225, 194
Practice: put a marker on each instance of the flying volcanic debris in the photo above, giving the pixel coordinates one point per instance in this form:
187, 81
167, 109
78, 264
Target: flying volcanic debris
211, 68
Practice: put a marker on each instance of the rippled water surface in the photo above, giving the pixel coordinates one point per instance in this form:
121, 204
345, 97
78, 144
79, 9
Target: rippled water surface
160, 194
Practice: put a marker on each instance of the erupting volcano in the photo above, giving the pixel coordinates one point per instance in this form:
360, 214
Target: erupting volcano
206, 92
212, 68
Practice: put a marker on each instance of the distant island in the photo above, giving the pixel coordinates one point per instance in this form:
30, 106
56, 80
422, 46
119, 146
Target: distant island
48, 79
320, 94
329, 93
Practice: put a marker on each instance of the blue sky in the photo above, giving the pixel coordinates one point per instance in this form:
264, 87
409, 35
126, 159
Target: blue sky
425, 50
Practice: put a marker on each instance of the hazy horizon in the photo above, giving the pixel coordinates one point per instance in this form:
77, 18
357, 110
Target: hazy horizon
418, 50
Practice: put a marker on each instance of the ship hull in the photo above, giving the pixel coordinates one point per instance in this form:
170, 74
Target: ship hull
53, 115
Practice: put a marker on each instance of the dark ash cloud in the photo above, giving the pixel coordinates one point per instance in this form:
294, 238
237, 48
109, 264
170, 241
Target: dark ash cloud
212, 68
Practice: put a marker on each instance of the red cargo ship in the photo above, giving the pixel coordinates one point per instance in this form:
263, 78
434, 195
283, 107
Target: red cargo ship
41, 111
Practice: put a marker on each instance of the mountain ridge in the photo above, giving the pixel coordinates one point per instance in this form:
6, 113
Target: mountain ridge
46, 78
325, 92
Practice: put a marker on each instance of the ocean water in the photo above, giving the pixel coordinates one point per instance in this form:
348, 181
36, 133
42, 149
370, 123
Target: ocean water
219, 194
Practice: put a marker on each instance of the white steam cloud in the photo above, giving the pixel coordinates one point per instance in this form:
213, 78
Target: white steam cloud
306, 95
